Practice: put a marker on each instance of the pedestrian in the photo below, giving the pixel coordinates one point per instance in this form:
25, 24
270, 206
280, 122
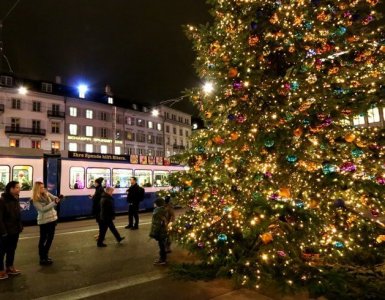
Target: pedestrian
159, 230
96, 198
107, 216
135, 195
10, 228
170, 217
45, 204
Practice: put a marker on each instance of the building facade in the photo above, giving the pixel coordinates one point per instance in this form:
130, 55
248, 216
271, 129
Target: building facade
52, 117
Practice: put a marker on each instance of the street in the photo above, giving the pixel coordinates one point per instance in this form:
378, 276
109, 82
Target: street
119, 271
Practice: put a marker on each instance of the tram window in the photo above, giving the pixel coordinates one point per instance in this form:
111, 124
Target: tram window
4, 177
23, 174
144, 177
94, 173
161, 178
76, 178
121, 178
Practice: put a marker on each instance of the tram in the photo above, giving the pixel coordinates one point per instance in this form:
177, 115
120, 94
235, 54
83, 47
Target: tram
72, 174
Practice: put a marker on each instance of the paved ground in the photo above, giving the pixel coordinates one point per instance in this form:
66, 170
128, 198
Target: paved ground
83, 271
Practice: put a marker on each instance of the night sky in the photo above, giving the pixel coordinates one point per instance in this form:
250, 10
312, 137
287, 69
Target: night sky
137, 46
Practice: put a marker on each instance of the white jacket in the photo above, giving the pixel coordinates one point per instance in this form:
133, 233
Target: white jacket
45, 207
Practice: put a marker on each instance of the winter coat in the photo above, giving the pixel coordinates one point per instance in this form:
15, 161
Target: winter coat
96, 198
159, 224
10, 216
170, 213
107, 208
45, 207
135, 194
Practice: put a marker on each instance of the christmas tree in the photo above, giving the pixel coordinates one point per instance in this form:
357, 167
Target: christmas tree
281, 184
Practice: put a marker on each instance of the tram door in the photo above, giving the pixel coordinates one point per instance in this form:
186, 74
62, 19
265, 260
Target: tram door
52, 169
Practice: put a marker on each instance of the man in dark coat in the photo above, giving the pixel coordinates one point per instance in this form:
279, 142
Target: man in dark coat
107, 216
135, 194
96, 198
10, 228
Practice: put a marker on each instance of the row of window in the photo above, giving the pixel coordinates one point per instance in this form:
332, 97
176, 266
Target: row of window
373, 116
8, 81
131, 150
35, 144
36, 106
81, 178
90, 148
90, 114
174, 131
36, 124
22, 174
173, 117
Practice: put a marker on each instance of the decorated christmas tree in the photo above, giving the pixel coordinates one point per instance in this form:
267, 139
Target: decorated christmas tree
281, 184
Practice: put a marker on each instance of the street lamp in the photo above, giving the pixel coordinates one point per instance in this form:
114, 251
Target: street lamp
22, 90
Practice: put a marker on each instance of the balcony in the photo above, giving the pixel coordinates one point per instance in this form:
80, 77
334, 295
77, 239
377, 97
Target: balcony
178, 147
1, 108
25, 130
56, 114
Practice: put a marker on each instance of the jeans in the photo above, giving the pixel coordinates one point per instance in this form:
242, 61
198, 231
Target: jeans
8, 247
162, 249
47, 233
133, 215
103, 230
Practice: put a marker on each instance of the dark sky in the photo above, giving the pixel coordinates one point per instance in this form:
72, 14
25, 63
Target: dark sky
137, 46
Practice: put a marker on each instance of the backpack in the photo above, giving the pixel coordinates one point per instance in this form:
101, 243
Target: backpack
141, 194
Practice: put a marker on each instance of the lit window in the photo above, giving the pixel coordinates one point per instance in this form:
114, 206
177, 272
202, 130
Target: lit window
159, 126
73, 112
55, 145
150, 125
82, 90
118, 150
35, 144
103, 149
374, 115
89, 148
73, 129
359, 120
73, 147
14, 143
110, 100
89, 131
89, 114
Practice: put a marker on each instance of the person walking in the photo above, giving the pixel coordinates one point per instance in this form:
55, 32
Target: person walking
96, 198
170, 218
135, 195
45, 204
107, 216
159, 230
10, 228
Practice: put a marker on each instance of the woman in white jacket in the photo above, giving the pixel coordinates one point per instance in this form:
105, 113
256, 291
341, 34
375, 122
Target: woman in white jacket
45, 204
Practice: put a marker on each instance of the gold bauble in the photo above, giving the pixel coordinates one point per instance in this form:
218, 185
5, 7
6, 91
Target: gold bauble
350, 137
266, 238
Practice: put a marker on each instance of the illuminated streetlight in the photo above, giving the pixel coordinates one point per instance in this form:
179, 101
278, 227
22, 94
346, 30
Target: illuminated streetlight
22, 90
82, 88
155, 112
208, 87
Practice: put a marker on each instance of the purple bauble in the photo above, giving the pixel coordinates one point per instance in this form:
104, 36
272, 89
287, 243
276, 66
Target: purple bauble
274, 196
348, 167
268, 174
327, 122
380, 180
231, 117
238, 85
241, 118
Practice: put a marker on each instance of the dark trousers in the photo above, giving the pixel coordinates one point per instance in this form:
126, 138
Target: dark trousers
8, 247
47, 233
162, 249
133, 210
103, 230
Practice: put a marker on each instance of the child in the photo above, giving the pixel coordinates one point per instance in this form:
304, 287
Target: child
170, 216
159, 230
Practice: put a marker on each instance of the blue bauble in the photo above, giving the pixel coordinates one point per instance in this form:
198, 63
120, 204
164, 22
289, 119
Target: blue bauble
328, 169
222, 237
341, 30
269, 143
292, 158
339, 245
200, 149
299, 203
294, 85
306, 122
231, 117
253, 26
357, 152
339, 203
308, 25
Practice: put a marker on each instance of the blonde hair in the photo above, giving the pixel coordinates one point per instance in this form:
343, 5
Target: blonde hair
36, 194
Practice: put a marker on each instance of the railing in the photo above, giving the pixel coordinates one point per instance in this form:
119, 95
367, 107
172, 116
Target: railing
24, 130
179, 147
56, 114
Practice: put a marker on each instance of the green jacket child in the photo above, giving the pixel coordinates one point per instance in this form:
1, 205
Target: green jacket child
159, 221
